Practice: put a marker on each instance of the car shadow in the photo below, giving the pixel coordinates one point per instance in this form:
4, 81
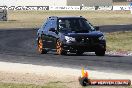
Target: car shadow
89, 54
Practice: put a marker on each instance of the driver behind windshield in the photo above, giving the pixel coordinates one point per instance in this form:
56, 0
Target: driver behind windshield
76, 25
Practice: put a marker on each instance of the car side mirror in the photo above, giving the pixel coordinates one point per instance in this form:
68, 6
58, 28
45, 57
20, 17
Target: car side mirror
52, 30
97, 28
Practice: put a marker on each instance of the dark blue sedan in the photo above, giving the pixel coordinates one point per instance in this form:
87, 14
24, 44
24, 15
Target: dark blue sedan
70, 34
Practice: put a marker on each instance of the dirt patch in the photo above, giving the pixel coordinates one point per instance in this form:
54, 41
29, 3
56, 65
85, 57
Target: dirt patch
6, 77
39, 75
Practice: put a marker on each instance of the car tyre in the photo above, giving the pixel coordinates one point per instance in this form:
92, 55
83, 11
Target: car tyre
100, 53
59, 48
41, 49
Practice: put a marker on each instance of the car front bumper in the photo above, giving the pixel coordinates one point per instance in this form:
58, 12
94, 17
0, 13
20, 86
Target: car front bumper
86, 47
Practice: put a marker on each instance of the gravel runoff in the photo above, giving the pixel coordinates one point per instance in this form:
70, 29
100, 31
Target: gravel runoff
117, 53
35, 74
120, 53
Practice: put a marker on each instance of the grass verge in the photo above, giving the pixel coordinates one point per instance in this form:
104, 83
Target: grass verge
52, 85
49, 85
119, 41
33, 19
121, 3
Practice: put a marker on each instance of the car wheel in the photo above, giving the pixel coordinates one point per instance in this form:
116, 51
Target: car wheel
100, 53
41, 49
79, 52
59, 48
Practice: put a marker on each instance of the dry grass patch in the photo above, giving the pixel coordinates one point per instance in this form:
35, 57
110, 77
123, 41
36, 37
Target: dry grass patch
33, 19
119, 41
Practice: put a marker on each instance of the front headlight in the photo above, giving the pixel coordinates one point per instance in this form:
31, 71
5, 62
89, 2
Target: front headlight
69, 39
102, 38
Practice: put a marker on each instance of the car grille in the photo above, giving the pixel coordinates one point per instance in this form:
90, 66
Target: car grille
87, 40
94, 40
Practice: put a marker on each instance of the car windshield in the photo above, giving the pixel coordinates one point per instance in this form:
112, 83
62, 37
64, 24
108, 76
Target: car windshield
75, 24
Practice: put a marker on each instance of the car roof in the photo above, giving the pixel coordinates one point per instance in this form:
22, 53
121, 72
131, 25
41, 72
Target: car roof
66, 17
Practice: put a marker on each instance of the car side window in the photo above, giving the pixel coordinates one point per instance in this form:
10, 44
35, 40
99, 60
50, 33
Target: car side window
47, 26
53, 24
44, 25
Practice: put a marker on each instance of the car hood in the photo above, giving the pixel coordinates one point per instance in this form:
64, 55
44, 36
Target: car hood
89, 34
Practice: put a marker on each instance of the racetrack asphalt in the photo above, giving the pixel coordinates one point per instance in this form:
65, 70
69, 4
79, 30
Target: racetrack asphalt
19, 46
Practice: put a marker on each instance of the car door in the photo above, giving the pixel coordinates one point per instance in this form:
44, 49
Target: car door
52, 36
44, 34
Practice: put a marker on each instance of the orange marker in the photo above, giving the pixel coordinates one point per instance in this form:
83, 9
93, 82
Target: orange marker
84, 73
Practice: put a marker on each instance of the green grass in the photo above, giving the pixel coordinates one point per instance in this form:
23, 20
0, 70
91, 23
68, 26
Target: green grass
33, 19
49, 85
119, 41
